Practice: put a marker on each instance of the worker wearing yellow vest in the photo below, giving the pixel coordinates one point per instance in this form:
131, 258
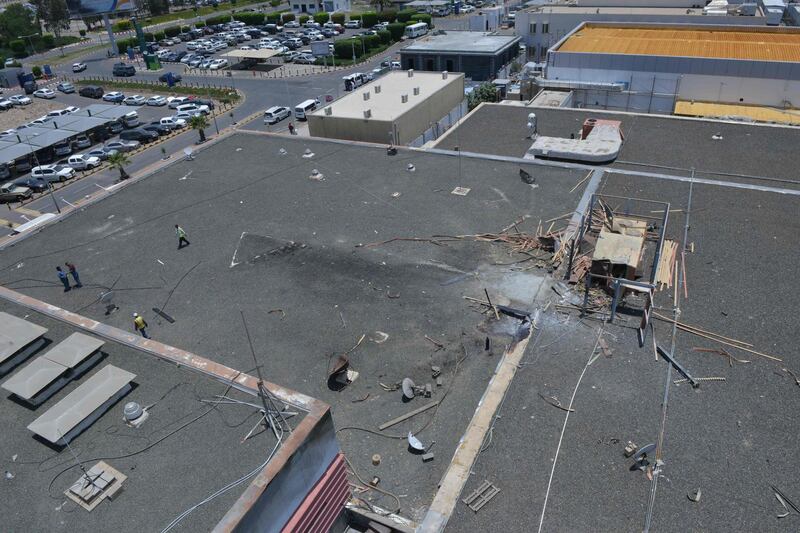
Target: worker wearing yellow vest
141, 325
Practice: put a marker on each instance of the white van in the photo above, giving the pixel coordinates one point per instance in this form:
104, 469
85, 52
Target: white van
304, 108
415, 30
130, 120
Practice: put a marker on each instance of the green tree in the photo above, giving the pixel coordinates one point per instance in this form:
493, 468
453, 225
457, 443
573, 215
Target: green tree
287, 17
199, 123
157, 7
423, 17
397, 29
53, 14
338, 18
385, 36
405, 15
304, 19
321, 17
369, 19
485, 92
15, 21
388, 15
119, 161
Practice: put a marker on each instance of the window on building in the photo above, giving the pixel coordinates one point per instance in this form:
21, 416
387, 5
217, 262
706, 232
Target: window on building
533, 27
545, 27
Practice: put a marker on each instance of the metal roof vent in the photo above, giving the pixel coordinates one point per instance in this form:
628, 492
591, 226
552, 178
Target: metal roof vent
377, 89
328, 111
411, 73
367, 113
134, 414
416, 91
366, 96
444, 75
404, 98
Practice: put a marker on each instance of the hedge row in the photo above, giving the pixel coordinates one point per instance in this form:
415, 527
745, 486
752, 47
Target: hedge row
252, 19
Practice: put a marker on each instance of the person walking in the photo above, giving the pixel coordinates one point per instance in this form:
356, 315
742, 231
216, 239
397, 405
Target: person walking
74, 272
181, 236
141, 325
291, 129
64, 279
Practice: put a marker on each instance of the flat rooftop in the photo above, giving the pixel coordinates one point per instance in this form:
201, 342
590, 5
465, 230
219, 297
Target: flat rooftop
306, 303
754, 44
314, 263
184, 433
462, 42
613, 10
387, 104
652, 143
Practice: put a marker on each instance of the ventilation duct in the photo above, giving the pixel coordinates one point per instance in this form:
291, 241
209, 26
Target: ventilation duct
367, 113
366, 96
328, 111
416, 91
404, 98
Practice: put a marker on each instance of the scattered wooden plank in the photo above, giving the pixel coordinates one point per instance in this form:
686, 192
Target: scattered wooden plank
408, 415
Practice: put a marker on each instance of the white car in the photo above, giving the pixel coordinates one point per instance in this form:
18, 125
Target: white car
71, 109
78, 67
40, 121
218, 64
175, 101
173, 123
83, 162
193, 108
114, 96
246, 47
275, 114
292, 24
156, 101
53, 173
135, 99
352, 24
19, 99
48, 94
467, 8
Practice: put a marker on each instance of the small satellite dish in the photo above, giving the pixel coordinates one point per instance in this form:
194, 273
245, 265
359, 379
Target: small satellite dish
415, 443
282, 151
411, 168
408, 388
308, 153
188, 152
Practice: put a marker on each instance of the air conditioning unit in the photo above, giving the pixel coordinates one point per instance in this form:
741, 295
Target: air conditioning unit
328, 111
411, 73
404, 98
377, 89
416, 91
444, 75
367, 113
366, 96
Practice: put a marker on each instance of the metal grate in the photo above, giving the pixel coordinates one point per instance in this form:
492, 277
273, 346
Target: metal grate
481, 496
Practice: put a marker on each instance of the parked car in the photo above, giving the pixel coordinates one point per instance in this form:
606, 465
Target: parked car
81, 142
164, 78
203, 101
91, 91
30, 87
275, 114
100, 153
352, 24
40, 121
305, 59
172, 123
53, 173
62, 148
134, 99
11, 62
193, 108
114, 96
19, 99
65, 87
83, 162
292, 24
6, 104
157, 128
34, 184
122, 146
71, 109
174, 102
14, 193
115, 127
78, 67
123, 69
157, 101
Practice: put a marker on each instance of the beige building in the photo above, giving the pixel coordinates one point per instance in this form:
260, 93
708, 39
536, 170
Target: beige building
396, 108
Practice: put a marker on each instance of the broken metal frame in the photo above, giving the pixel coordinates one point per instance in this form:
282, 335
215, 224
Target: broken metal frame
619, 283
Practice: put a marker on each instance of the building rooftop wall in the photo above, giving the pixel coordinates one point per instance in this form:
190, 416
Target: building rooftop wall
473, 42
387, 104
754, 44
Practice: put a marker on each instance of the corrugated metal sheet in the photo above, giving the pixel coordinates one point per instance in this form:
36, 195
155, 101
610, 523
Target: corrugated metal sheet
324, 503
686, 42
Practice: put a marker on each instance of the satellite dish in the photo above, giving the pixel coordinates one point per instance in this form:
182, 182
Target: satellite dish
410, 168
408, 388
282, 151
415, 443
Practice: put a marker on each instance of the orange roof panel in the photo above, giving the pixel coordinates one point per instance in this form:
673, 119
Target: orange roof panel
758, 45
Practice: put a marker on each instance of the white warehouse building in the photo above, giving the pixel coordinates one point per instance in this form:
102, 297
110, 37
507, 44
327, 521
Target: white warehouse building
658, 67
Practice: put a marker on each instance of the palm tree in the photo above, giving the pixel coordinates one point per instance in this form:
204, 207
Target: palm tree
120, 160
199, 123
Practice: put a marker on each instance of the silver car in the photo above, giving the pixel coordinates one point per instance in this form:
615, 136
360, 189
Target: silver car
122, 146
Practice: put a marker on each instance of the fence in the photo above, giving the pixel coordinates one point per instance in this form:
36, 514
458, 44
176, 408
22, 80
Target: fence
439, 127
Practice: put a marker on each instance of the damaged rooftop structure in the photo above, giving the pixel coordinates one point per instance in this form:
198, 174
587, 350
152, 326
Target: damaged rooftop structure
459, 337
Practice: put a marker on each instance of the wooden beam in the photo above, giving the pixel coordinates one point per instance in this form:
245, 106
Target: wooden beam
408, 415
